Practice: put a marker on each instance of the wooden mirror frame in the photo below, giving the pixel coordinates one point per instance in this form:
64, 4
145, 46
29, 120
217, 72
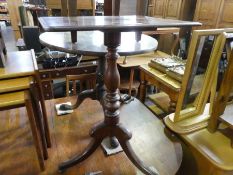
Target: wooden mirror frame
196, 116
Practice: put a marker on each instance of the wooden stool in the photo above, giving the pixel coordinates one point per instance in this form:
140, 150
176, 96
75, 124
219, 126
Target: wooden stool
23, 64
19, 99
25, 83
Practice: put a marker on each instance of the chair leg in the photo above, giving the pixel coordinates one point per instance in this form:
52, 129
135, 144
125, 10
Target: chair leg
35, 133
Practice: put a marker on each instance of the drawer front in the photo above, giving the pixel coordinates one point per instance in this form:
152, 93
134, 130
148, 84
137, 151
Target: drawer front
81, 70
58, 74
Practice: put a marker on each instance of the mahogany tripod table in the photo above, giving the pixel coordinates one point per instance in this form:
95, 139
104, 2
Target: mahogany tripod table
112, 26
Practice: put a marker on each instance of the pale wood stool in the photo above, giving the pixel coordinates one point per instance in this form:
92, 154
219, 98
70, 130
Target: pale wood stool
19, 99
23, 64
26, 83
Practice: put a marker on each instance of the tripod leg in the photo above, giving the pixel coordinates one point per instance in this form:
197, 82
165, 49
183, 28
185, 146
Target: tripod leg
81, 157
123, 137
90, 93
99, 132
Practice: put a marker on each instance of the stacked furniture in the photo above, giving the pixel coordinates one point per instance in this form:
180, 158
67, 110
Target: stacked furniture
20, 86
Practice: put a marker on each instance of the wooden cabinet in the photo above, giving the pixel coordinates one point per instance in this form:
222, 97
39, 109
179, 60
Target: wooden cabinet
214, 13
225, 18
159, 8
150, 8
81, 5
172, 9
14, 15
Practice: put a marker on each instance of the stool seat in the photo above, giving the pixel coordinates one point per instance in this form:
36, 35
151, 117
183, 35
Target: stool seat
12, 99
16, 84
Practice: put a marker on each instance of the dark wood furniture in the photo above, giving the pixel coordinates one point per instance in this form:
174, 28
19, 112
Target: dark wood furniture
91, 43
111, 26
88, 43
87, 81
47, 76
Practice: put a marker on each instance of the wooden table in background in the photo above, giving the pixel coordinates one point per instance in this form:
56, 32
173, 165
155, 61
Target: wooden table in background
161, 81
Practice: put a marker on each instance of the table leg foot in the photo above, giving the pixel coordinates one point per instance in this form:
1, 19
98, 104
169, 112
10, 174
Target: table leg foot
114, 142
123, 137
98, 133
81, 157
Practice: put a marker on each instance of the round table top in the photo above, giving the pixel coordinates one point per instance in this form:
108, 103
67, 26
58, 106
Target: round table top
92, 43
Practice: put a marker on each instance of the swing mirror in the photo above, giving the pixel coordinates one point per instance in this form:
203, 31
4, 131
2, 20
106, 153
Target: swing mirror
198, 77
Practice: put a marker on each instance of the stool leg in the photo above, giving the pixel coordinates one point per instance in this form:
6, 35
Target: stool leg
35, 133
39, 122
45, 118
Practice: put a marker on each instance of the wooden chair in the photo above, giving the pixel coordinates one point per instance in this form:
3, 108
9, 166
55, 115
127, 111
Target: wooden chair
86, 81
20, 92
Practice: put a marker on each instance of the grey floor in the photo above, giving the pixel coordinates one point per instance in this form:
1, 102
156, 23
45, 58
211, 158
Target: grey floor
8, 37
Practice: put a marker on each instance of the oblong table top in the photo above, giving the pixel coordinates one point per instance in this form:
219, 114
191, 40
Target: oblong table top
110, 23
92, 43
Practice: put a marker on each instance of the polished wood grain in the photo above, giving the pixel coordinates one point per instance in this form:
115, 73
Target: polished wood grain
18, 64
19, 99
92, 43
68, 130
109, 23
214, 13
212, 151
15, 84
